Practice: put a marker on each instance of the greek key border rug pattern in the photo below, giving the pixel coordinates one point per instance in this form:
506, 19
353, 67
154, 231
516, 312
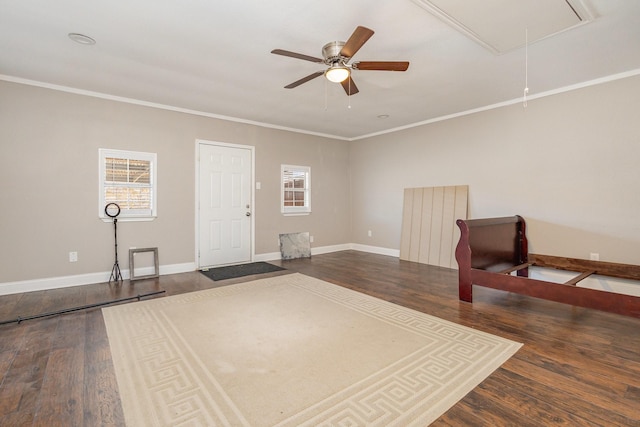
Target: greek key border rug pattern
292, 351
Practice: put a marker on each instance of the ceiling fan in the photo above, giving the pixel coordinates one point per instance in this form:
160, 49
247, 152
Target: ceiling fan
337, 56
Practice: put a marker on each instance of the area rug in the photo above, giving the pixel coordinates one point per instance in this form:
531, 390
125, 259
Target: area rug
292, 351
240, 270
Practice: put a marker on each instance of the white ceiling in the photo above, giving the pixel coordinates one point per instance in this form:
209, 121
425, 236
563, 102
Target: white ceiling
213, 57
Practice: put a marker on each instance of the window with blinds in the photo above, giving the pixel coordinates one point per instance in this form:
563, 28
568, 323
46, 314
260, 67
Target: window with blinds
296, 189
128, 178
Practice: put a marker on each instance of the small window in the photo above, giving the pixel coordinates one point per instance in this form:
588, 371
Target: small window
296, 189
128, 178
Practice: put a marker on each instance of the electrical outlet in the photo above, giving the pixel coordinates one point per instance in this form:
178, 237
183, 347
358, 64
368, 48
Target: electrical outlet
594, 256
369, 233
310, 239
73, 256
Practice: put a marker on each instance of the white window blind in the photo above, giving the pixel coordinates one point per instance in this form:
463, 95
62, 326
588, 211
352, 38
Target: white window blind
128, 178
296, 189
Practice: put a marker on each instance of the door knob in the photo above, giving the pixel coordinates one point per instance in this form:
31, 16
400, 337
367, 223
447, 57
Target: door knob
248, 214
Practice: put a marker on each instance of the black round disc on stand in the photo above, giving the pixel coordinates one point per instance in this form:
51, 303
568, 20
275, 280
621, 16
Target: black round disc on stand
112, 210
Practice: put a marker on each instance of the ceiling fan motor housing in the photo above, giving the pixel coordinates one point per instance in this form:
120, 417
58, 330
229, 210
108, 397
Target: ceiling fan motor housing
331, 53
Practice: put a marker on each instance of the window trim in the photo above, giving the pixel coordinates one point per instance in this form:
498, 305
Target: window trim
104, 153
296, 210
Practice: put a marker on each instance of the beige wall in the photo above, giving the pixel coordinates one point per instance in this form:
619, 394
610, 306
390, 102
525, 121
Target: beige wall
49, 144
568, 163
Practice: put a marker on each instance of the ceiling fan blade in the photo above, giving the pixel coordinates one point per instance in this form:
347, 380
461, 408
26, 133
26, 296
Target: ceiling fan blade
349, 86
297, 55
304, 80
381, 65
355, 42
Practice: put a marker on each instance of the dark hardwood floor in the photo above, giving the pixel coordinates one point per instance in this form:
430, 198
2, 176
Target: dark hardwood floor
578, 367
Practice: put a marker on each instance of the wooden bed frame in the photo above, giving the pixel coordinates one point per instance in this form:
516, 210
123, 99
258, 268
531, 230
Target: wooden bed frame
491, 249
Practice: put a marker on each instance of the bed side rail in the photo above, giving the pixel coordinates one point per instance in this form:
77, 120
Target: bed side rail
611, 269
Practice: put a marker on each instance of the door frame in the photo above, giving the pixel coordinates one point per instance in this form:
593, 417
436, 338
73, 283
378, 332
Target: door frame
252, 150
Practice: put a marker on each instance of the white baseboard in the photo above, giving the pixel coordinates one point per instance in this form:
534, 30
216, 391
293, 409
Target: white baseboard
376, 250
177, 268
328, 249
84, 279
272, 256
103, 277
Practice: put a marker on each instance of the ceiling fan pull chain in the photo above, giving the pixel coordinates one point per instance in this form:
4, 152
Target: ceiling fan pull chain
526, 67
326, 95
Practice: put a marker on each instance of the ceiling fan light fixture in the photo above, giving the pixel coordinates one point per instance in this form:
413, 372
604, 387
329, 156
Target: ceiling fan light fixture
337, 73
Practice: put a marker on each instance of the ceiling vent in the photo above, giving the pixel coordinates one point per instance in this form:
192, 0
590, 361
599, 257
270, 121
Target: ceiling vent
500, 25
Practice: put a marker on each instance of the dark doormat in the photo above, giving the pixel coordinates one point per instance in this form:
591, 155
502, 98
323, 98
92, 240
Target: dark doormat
232, 271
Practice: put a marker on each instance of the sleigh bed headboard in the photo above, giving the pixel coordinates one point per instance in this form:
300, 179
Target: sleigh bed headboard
492, 244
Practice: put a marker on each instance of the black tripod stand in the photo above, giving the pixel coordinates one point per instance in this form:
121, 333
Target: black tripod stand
112, 210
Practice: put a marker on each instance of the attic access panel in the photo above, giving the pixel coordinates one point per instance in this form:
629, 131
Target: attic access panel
499, 25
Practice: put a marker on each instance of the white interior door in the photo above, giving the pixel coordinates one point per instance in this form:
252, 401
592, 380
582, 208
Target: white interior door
224, 205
